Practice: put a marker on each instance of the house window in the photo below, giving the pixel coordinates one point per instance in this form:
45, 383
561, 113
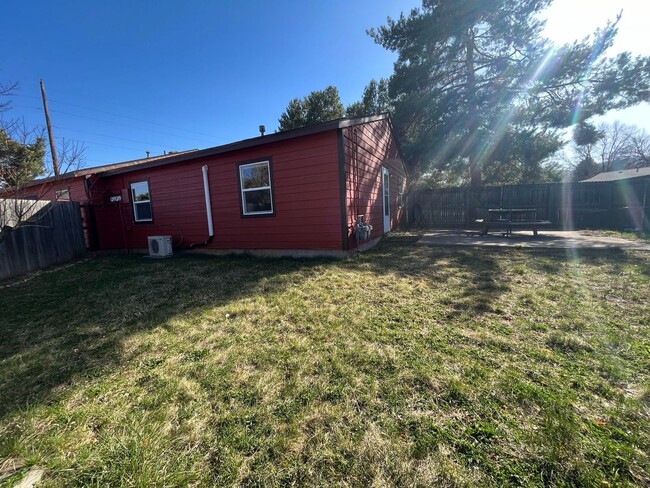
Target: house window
62, 195
255, 187
141, 199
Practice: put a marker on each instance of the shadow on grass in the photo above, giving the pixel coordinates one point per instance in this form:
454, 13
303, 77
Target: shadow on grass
474, 274
479, 276
70, 324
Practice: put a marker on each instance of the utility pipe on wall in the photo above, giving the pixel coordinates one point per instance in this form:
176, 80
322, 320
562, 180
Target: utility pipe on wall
208, 209
208, 206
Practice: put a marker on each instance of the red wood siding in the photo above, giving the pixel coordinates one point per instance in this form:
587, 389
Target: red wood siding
310, 207
47, 191
306, 199
368, 147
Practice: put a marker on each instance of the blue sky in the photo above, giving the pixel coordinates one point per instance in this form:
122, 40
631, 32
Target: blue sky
214, 69
133, 76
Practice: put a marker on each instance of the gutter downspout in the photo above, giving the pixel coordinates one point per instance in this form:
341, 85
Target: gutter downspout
208, 210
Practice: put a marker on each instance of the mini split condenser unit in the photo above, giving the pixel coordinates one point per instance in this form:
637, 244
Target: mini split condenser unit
160, 246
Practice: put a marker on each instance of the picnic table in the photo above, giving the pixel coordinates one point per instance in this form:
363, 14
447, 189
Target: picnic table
509, 218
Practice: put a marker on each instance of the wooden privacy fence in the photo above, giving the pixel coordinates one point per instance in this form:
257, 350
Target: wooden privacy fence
623, 204
50, 233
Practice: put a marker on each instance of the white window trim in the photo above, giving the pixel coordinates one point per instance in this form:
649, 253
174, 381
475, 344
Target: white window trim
243, 190
134, 203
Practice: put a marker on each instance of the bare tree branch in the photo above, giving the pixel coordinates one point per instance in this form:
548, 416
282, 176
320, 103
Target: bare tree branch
22, 159
618, 146
6, 91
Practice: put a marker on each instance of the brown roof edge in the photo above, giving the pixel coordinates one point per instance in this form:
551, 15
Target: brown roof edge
102, 169
246, 143
42, 181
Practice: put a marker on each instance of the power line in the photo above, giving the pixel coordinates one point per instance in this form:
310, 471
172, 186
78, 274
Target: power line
108, 135
125, 117
116, 123
101, 161
139, 149
73, 96
112, 137
92, 160
90, 142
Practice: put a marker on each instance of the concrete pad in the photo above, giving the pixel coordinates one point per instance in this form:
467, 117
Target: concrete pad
547, 239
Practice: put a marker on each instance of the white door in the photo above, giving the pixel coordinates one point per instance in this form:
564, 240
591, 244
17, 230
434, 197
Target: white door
385, 185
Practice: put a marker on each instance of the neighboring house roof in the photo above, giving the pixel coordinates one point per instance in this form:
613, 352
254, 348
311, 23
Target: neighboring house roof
155, 161
622, 174
104, 168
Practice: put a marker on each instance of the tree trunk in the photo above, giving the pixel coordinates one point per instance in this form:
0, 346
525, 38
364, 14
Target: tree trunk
472, 112
474, 172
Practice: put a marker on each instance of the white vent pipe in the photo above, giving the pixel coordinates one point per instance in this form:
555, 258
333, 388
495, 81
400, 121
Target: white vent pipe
208, 206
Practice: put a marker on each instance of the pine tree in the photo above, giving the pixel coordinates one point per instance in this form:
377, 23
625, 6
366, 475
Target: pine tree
375, 100
470, 72
21, 162
318, 106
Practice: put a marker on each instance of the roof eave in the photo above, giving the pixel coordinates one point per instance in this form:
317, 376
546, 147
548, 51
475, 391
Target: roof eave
49, 179
249, 143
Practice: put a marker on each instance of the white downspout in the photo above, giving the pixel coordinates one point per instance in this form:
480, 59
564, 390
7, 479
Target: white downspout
208, 206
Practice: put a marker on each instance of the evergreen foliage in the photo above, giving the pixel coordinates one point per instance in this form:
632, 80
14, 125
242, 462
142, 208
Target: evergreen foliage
375, 100
21, 162
319, 106
472, 74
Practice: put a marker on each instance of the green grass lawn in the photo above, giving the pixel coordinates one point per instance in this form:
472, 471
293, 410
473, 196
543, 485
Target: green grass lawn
407, 366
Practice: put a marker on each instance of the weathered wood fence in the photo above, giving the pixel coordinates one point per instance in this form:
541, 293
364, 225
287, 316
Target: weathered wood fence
621, 204
51, 233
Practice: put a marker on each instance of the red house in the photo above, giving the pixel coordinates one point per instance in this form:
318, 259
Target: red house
297, 192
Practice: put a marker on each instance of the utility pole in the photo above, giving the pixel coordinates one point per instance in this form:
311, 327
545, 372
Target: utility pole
55, 162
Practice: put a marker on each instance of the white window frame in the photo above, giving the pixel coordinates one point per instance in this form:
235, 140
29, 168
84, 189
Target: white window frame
243, 190
134, 202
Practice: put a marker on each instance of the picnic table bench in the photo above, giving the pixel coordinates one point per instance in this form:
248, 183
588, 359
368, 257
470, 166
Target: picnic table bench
506, 219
